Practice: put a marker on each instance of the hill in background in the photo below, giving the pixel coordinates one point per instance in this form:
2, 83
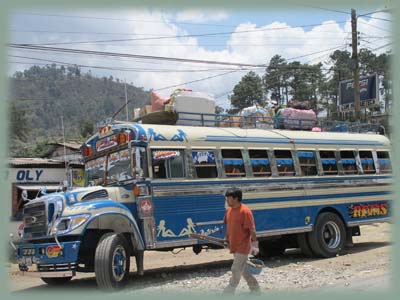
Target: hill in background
41, 95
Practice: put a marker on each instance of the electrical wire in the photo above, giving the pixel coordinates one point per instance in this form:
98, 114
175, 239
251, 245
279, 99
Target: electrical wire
187, 35
125, 20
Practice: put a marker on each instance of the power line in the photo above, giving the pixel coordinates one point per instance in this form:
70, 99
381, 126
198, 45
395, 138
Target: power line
113, 54
374, 12
382, 19
147, 57
374, 26
187, 35
198, 80
329, 9
384, 46
126, 20
114, 68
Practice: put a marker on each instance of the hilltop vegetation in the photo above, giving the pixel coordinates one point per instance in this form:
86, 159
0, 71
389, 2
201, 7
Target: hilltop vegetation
39, 97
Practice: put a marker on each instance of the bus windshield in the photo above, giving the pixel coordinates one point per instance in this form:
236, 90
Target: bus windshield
119, 166
95, 171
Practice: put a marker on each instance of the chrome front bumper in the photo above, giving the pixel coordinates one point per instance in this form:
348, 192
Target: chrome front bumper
47, 274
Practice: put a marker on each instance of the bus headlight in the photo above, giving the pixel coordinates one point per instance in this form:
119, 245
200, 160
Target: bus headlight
69, 223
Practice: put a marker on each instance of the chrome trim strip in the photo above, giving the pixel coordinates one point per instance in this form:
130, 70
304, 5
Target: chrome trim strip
208, 223
284, 231
188, 242
367, 222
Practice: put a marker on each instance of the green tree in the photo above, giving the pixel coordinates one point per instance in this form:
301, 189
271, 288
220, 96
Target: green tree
276, 77
248, 92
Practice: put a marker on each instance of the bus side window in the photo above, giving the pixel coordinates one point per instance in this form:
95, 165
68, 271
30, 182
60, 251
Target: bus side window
349, 162
204, 163
284, 162
384, 162
307, 163
260, 163
367, 162
329, 163
168, 163
233, 163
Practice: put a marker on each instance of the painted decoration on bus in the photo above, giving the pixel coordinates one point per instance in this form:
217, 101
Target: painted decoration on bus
368, 210
78, 177
157, 155
53, 251
165, 232
203, 157
96, 164
106, 143
178, 137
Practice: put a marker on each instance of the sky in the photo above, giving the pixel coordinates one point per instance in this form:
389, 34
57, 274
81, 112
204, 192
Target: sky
305, 34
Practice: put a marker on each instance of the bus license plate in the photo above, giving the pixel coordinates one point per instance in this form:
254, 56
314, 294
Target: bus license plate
28, 251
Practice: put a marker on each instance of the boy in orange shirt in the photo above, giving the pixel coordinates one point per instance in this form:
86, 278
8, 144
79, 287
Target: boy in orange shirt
240, 233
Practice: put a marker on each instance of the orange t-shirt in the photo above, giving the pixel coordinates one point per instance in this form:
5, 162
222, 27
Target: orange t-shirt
239, 221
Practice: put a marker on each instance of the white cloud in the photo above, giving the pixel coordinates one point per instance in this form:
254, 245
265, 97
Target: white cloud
198, 16
256, 46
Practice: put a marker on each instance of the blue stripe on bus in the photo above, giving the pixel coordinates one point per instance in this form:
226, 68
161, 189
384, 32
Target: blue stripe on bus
314, 197
270, 180
211, 201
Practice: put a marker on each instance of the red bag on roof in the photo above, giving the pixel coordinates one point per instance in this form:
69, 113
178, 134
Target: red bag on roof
157, 102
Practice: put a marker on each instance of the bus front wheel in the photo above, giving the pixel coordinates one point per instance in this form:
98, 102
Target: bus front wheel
112, 262
329, 235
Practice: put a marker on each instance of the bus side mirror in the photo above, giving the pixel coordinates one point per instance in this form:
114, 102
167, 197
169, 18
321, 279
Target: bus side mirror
24, 195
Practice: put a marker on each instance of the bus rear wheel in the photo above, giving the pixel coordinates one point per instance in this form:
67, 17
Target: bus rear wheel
329, 235
112, 262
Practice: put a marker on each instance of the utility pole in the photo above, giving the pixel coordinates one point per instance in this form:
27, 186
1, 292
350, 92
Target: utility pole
354, 57
126, 102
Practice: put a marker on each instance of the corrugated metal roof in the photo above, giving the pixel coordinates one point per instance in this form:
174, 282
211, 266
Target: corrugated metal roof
33, 161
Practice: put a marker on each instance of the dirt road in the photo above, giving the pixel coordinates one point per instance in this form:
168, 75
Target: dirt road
365, 266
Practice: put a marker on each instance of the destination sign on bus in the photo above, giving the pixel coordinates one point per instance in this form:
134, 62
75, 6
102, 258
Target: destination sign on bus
106, 143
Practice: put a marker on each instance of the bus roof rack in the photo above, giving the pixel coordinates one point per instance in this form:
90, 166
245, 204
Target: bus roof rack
261, 122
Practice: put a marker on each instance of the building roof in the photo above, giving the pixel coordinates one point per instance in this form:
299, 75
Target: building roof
39, 162
71, 144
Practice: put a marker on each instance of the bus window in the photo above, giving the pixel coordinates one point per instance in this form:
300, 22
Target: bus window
367, 162
260, 163
119, 166
168, 163
384, 162
233, 163
307, 163
284, 162
329, 163
348, 162
204, 163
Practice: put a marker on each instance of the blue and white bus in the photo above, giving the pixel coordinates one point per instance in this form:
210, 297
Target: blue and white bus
150, 186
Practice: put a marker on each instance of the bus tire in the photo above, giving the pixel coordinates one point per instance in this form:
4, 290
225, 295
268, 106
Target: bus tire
56, 280
304, 245
329, 235
112, 262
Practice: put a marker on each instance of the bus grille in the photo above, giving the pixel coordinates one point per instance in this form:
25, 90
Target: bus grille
35, 220
57, 267
100, 194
